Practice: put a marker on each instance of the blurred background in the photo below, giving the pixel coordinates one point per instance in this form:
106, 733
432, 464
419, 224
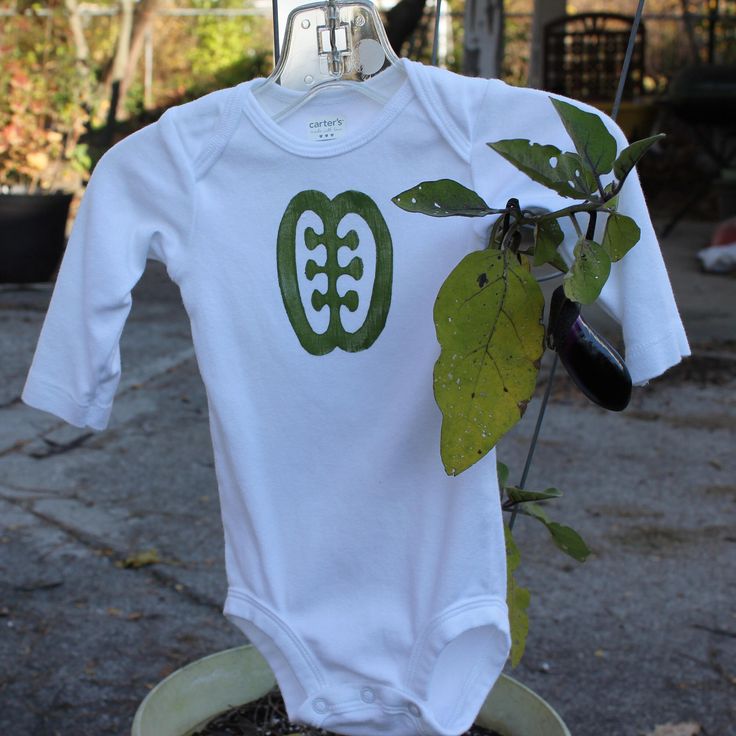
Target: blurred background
77, 76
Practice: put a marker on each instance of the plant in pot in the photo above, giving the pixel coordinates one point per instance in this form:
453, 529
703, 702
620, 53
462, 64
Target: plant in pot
489, 323
44, 91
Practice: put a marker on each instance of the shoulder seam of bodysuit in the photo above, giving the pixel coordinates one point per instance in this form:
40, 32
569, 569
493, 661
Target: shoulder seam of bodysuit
479, 112
480, 225
223, 131
474, 130
445, 124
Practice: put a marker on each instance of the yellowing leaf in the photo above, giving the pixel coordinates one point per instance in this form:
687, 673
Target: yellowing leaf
140, 559
503, 473
488, 317
690, 728
517, 600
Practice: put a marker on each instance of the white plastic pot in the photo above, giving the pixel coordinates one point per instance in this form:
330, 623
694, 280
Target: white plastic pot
193, 695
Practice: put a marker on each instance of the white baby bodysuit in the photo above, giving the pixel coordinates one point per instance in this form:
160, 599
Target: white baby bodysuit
373, 583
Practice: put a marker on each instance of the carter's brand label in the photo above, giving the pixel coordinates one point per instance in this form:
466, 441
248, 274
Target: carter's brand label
326, 128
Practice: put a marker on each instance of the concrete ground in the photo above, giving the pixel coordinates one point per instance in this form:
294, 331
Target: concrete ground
641, 634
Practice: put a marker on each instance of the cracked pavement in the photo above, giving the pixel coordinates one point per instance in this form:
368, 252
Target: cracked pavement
642, 633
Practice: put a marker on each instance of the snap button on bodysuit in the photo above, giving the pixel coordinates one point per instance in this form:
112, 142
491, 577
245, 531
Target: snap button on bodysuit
320, 705
367, 695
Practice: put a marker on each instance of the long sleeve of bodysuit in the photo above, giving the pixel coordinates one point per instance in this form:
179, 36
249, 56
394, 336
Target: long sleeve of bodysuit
638, 294
136, 206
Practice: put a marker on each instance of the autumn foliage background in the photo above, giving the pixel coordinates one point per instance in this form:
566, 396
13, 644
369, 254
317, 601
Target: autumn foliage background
60, 60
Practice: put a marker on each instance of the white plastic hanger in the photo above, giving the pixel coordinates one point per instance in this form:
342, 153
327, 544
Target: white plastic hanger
332, 44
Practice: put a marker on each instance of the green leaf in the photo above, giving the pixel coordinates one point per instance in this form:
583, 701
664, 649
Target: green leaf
564, 537
536, 511
608, 191
503, 474
521, 495
631, 155
588, 273
572, 169
517, 600
443, 198
548, 236
488, 317
620, 236
596, 146
569, 541
536, 161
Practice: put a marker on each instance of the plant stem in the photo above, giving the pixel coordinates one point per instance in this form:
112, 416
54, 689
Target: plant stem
494, 230
590, 234
576, 225
600, 185
571, 210
509, 236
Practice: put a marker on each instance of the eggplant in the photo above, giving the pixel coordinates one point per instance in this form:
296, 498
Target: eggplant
590, 360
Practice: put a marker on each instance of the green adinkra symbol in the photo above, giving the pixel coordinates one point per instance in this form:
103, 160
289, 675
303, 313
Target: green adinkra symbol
331, 212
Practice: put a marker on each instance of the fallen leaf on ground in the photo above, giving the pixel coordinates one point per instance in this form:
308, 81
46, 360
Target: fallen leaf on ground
676, 729
140, 559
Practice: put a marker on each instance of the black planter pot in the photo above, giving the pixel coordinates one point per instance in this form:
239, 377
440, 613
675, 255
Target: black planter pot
32, 235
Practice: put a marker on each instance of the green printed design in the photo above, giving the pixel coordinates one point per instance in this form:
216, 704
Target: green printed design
331, 213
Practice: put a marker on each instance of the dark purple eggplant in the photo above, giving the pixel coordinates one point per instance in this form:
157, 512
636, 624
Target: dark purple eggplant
592, 362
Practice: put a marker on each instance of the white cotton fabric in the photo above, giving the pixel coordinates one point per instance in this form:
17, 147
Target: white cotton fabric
373, 583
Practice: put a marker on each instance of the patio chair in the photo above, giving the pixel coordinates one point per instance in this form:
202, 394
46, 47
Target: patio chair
582, 58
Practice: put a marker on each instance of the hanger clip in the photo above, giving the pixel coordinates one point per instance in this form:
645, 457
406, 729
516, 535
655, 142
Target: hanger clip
334, 40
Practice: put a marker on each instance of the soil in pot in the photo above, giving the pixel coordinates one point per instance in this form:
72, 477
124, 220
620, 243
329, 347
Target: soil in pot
267, 717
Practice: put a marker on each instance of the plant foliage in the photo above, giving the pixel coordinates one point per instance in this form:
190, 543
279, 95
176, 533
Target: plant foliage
488, 312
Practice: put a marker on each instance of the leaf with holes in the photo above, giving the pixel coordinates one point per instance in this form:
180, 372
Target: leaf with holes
588, 273
596, 146
572, 169
541, 163
443, 198
488, 317
517, 600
